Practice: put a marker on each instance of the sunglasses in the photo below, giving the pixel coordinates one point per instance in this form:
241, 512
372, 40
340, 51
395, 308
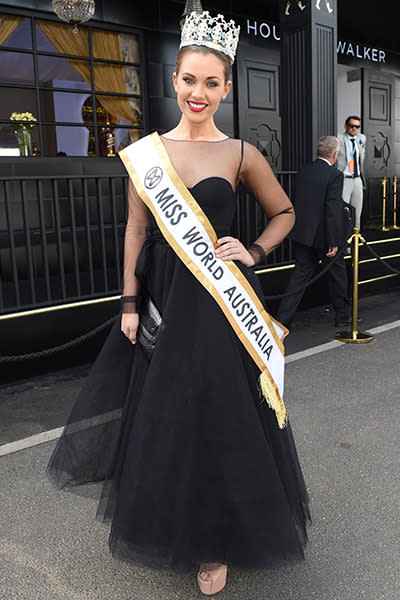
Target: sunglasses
352, 126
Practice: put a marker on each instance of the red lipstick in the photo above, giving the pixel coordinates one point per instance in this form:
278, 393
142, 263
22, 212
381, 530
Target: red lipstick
196, 106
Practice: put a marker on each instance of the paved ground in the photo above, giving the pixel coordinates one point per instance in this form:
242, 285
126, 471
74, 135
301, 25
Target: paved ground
343, 400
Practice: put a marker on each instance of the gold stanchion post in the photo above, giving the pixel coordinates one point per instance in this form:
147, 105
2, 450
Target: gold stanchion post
395, 226
354, 336
384, 197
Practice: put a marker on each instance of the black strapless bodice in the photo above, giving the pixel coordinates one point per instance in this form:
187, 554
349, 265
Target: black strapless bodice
217, 199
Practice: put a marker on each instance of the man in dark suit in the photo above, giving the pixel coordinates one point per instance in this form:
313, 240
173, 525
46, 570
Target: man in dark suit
319, 231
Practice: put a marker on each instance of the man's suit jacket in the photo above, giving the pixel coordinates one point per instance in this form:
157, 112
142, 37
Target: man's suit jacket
343, 155
319, 206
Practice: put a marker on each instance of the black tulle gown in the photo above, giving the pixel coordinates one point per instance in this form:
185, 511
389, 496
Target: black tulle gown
193, 464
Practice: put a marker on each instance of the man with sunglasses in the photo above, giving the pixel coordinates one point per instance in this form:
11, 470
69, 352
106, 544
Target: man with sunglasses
351, 162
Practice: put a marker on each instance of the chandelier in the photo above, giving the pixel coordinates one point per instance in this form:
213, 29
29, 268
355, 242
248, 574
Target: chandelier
190, 6
74, 11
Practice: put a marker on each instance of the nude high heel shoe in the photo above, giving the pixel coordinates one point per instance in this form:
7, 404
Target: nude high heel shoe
217, 581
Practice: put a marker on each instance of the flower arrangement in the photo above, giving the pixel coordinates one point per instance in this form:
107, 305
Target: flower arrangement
27, 117
22, 131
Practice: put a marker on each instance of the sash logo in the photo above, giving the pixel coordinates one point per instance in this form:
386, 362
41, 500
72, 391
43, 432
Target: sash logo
153, 177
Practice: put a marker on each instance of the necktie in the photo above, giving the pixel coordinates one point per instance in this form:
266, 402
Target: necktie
355, 158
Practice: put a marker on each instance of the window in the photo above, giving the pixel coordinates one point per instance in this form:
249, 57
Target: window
83, 88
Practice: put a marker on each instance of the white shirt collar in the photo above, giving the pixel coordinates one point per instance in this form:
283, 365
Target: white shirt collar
325, 159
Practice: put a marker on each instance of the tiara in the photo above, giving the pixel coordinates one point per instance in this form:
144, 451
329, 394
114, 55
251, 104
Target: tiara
213, 32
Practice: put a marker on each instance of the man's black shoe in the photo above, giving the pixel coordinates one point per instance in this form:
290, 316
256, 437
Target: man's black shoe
344, 321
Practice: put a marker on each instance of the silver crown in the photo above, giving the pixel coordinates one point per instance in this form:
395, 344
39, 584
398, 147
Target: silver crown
213, 32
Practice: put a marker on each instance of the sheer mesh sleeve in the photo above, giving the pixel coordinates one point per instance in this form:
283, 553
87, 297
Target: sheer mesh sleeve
135, 234
257, 176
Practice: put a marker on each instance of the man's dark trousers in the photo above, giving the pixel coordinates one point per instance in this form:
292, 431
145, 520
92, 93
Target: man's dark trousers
306, 259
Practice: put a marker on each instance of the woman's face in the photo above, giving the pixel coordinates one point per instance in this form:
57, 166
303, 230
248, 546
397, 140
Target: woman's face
200, 86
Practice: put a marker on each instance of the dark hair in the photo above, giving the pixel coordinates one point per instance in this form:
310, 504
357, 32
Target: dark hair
225, 60
347, 121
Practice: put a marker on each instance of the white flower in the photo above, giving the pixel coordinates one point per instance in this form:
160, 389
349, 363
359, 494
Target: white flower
26, 116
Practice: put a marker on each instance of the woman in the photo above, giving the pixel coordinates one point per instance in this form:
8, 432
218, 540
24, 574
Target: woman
196, 468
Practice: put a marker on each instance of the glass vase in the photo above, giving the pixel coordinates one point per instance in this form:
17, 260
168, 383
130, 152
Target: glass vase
24, 141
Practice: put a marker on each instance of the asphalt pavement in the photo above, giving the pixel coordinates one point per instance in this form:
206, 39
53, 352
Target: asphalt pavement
343, 402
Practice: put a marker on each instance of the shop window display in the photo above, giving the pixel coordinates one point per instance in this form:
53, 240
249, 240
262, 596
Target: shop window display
84, 89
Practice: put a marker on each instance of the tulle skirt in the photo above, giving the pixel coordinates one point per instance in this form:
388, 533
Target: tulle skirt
193, 465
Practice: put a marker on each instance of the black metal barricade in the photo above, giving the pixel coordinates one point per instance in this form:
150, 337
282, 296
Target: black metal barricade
61, 238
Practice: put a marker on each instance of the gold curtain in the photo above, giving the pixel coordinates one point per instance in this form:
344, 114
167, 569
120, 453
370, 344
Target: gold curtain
7, 25
108, 78
111, 78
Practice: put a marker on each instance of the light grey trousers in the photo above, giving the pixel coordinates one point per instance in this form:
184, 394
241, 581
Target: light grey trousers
353, 194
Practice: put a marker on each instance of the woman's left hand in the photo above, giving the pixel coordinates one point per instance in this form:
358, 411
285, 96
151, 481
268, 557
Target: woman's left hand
232, 249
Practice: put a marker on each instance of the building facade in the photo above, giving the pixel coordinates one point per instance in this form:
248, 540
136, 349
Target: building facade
116, 74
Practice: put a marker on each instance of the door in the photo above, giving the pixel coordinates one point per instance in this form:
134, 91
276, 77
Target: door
377, 125
259, 122
377, 122
258, 101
